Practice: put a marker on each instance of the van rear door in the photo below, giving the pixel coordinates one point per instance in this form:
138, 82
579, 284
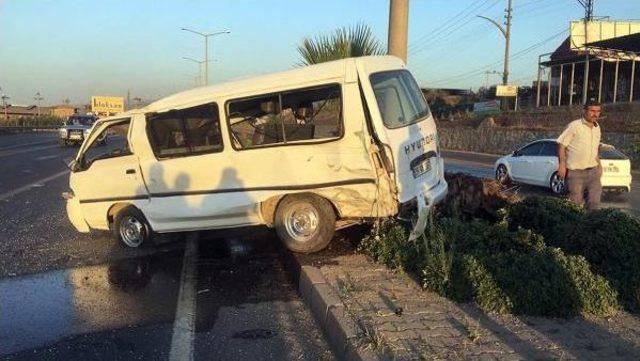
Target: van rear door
403, 123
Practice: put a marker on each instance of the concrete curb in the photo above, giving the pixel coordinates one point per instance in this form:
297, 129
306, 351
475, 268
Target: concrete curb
340, 330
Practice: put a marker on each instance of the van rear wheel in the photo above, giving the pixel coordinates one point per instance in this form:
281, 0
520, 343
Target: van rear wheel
305, 222
131, 227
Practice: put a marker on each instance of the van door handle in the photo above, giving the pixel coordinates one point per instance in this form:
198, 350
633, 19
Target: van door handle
131, 171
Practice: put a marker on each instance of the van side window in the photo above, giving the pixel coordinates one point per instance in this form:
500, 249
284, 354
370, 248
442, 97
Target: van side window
185, 132
287, 117
110, 143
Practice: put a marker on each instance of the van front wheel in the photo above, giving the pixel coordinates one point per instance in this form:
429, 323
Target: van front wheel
131, 227
305, 222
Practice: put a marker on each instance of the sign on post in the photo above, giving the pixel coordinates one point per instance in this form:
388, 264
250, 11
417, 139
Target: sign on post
102, 105
506, 90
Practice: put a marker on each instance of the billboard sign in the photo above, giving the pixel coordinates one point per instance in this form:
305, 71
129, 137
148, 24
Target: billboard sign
506, 90
491, 106
107, 105
600, 30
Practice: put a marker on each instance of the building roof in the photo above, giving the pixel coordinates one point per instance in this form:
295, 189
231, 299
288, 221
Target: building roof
630, 43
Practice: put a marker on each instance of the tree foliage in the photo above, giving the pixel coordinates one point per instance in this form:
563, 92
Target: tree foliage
342, 43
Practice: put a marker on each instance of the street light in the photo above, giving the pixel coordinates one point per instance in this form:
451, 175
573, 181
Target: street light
199, 62
38, 98
206, 49
4, 98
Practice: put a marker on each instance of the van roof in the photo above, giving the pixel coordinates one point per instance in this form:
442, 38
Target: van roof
297, 76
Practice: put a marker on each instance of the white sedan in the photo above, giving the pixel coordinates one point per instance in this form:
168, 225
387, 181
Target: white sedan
537, 163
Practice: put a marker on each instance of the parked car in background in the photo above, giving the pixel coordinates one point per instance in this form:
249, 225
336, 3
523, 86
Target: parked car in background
537, 163
76, 129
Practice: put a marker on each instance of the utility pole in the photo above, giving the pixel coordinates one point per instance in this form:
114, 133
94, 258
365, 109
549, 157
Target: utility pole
506, 32
38, 98
507, 36
398, 28
588, 16
206, 49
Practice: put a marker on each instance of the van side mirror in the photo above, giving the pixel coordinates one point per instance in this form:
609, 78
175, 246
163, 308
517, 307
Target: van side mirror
72, 165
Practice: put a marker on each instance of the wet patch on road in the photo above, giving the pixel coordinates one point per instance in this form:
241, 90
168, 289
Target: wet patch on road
39, 311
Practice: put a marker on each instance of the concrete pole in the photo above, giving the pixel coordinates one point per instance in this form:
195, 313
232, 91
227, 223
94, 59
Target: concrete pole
560, 86
600, 81
398, 28
539, 82
507, 44
549, 86
615, 83
206, 59
633, 78
573, 72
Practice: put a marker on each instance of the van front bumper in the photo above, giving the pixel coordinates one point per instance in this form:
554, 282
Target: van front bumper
428, 198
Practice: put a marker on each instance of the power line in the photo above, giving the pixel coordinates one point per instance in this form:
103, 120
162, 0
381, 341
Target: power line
517, 55
446, 30
428, 35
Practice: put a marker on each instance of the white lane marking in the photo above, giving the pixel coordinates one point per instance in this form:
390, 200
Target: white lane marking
47, 157
37, 183
184, 324
14, 152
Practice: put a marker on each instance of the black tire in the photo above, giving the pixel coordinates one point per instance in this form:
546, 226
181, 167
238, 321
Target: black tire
132, 217
502, 175
295, 218
557, 189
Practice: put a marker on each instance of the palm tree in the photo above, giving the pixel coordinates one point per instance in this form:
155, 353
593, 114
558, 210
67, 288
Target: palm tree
343, 43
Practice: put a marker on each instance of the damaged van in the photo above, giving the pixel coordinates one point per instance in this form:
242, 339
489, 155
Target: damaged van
305, 151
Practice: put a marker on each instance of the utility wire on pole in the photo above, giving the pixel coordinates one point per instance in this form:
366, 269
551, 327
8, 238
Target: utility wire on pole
398, 28
588, 16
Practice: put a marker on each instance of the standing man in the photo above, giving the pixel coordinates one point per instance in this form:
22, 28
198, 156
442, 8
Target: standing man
579, 160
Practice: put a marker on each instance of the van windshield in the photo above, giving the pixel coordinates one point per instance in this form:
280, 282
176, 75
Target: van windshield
399, 98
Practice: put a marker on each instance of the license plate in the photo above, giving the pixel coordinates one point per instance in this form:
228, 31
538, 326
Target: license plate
75, 136
611, 169
422, 168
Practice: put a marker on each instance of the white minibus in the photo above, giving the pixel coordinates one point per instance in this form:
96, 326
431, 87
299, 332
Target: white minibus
305, 151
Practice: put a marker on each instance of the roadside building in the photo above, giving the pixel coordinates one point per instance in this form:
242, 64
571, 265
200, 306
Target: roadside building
603, 64
11, 111
64, 110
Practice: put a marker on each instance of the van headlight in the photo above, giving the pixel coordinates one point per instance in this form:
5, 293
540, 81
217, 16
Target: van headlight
62, 132
86, 132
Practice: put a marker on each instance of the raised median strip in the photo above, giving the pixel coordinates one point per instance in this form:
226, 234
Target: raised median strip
342, 333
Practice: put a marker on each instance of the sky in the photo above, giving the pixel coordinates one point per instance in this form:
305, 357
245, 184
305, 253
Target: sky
78, 48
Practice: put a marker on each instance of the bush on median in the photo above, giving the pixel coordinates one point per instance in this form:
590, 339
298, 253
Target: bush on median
608, 239
499, 269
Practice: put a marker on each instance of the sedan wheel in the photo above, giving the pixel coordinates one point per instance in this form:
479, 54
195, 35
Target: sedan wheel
557, 184
502, 174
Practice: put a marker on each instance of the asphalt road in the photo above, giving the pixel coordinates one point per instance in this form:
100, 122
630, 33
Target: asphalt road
71, 296
481, 165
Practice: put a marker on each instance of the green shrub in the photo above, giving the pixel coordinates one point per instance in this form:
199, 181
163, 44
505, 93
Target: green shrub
388, 244
610, 240
472, 281
438, 259
513, 271
501, 270
553, 218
